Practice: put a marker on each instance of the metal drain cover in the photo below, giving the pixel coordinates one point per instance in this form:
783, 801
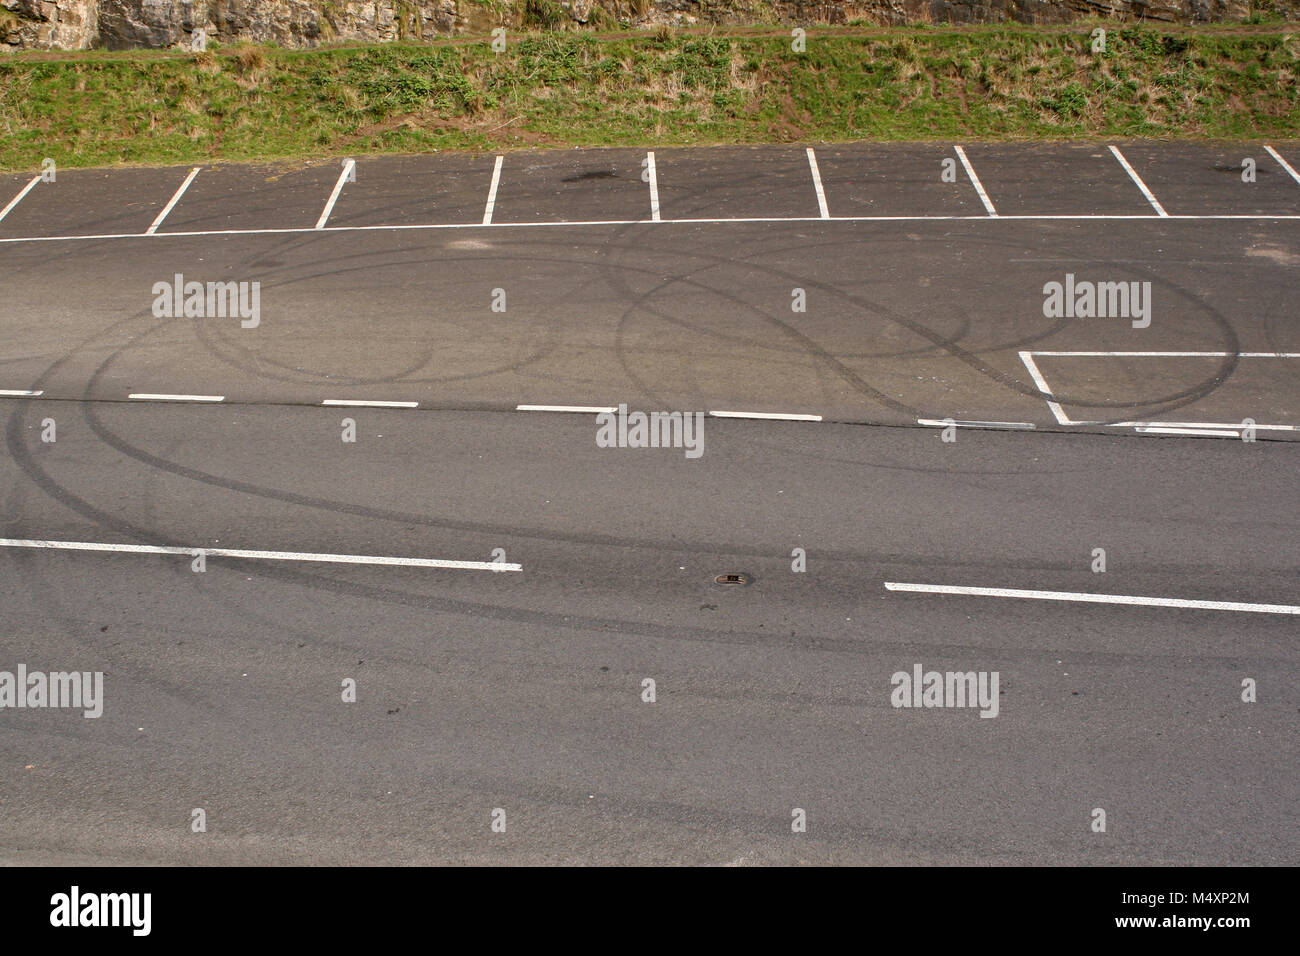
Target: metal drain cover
732, 578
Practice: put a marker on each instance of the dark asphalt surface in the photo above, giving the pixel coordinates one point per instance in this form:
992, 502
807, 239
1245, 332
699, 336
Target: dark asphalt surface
523, 691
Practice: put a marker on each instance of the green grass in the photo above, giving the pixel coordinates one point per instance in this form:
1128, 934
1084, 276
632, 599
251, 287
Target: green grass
587, 89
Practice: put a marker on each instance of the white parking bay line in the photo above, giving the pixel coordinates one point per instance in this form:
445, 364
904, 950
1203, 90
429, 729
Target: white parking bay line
351, 403
652, 175
975, 181
1271, 151
162, 397
1132, 174
1055, 407
492, 192
776, 416
817, 184
176, 197
265, 555
588, 223
587, 409
348, 166
19, 198
20, 393
1086, 598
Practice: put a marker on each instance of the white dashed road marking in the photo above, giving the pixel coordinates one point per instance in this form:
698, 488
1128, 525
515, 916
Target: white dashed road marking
1087, 598
163, 397
350, 403
265, 555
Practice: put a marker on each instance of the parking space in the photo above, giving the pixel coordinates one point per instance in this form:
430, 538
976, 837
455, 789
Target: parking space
574, 186
896, 179
1186, 388
735, 183
845, 181
253, 197
1191, 179
1075, 179
413, 190
90, 202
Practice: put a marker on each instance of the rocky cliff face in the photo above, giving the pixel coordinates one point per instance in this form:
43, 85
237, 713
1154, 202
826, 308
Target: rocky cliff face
125, 24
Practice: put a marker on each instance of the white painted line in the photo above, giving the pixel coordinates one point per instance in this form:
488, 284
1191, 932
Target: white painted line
267, 555
349, 403
1203, 432
19, 198
1204, 425
1095, 598
20, 393
653, 176
943, 423
492, 192
156, 397
176, 197
817, 184
348, 166
975, 181
588, 409
1132, 174
1169, 354
768, 415
585, 223
1271, 151
1055, 407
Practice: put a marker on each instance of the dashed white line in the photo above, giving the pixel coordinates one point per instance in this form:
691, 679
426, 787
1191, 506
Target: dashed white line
176, 197
266, 555
163, 397
1271, 151
1205, 425
778, 416
587, 409
19, 198
492, 192
943, 422
1132, 174
1088, 598
817, 184
652, 175
20, 393
1202, 432
357, 403
975, 181
348, 166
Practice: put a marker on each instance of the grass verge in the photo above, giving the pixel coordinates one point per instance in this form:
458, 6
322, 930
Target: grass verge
666, 88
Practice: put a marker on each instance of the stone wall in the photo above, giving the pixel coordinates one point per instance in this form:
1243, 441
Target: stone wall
126, 24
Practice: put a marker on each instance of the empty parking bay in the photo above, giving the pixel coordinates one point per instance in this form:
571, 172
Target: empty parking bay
1083, 179
902, 179
1190, 179
591, 185
254, 197
91, 202
414, 190
735, 183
